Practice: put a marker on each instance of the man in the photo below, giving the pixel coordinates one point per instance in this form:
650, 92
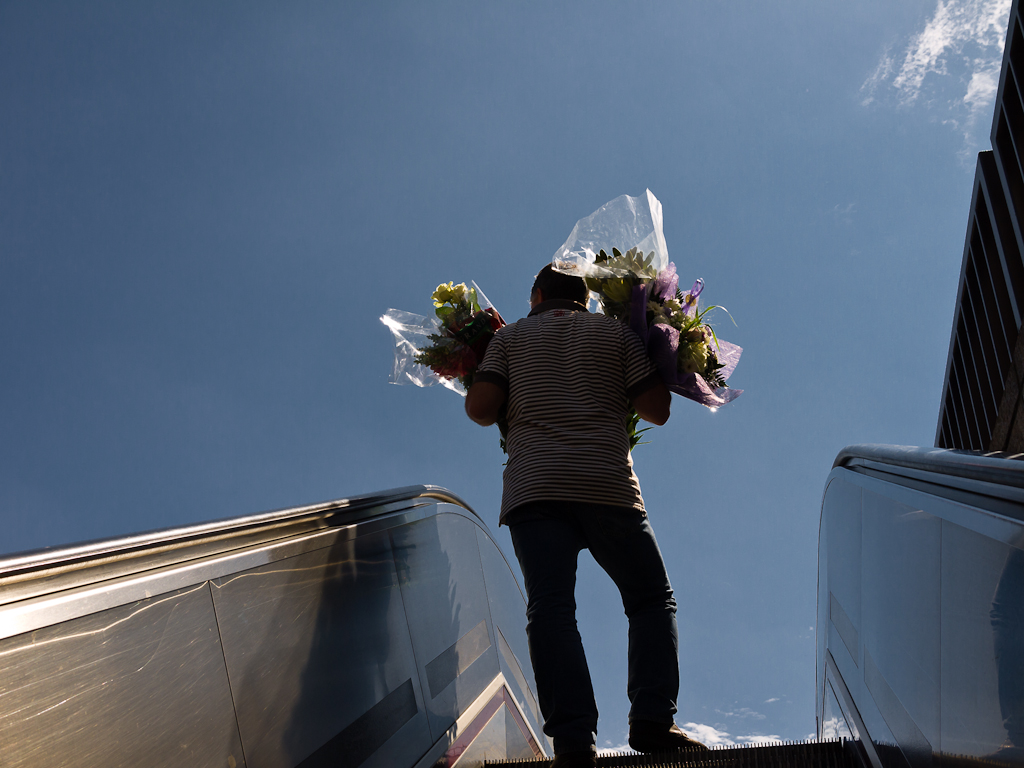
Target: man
566, 379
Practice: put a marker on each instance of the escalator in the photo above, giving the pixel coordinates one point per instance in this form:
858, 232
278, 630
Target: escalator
920, 636
387, 631
378, 631
835, 753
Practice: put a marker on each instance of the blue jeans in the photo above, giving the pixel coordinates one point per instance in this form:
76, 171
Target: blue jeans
548, 537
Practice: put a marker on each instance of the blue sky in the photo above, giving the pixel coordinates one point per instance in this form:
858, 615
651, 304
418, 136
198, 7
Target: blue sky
205, 208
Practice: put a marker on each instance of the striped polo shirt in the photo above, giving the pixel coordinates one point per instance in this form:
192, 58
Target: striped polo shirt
569, 376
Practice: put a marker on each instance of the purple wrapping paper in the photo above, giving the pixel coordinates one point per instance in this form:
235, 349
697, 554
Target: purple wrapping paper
666, 283
662, 345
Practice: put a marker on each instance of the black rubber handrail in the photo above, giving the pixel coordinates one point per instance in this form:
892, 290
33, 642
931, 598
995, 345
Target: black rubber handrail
999, 468
225, 529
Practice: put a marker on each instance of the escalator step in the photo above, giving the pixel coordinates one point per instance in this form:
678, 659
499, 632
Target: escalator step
828, 754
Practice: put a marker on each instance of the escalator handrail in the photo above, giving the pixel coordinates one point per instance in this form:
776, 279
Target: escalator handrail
135, 544
1006, 469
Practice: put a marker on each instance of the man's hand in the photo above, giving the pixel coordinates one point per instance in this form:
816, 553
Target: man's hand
653, 404
484, 401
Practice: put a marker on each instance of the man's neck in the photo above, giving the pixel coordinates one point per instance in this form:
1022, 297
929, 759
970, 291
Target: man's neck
549, 304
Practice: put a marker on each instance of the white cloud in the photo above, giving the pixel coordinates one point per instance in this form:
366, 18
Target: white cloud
708, 734
981, 90
772, 700
952, 65
956, 27
742, 712
844, 213
883, 72
714, 737
759, 738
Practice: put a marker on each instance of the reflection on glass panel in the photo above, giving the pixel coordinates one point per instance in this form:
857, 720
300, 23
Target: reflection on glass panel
489, 743
442, 585
298, 631
843, 505
834, 725
516, 745
973, 585
900, 617
508, 609
1008, 639
499, 739
839, 563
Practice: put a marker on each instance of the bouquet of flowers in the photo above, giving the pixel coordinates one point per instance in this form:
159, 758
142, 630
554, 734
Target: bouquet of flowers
447, 348
642, 289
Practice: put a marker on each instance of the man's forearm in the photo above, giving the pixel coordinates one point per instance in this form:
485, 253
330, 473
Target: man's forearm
483, 402
654, 405
484, 420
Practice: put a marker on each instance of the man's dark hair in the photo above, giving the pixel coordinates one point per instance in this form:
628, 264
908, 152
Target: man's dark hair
558, 285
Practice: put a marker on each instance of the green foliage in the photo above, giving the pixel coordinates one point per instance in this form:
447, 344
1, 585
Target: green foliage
634, 434
626, 270
632, 262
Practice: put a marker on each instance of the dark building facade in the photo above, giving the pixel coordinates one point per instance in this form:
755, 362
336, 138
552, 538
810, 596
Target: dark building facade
981, 405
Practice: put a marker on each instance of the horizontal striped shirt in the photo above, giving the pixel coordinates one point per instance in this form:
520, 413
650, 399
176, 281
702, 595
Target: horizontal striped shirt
569, 376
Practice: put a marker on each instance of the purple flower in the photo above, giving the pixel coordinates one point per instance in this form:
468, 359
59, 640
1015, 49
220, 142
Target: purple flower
690, 297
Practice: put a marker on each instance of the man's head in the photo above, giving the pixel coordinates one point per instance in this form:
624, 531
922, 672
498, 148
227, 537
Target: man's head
558, 285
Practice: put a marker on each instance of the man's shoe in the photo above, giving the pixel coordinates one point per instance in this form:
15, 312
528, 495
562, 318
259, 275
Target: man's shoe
648, 736
583, 758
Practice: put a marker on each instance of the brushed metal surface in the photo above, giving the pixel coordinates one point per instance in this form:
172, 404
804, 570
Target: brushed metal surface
313, 643
187, 536
443, 592
104, 589
29, 574
142, 684
950, 465
26, 583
